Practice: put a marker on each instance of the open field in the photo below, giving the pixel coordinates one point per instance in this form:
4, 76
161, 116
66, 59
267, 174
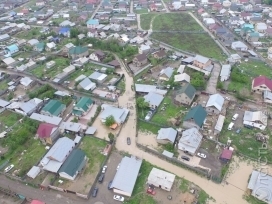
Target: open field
197, 43
33, 33
146, 20
8, 118
140, 11
143, 126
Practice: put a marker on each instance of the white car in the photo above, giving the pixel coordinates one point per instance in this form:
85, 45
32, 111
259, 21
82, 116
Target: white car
119, 198
9, 168
148, 116
201, 155
104, 169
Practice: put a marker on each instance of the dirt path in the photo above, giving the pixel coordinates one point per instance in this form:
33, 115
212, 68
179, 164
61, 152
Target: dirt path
211, 85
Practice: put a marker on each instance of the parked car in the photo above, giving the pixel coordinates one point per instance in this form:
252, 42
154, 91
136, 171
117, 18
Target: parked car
109, 185
101, 178
119, 198
104, 169
128, 141
238, 131
9, 168
95, 191
201, 155
185, 158
148, 116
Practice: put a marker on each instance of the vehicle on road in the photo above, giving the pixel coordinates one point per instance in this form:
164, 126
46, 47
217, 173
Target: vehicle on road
119, 198
95, 191
201, 155
9, 168
104, 169
185, 158
101, 178
128, 141
109, 185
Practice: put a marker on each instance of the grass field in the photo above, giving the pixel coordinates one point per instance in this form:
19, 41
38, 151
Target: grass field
143, 126
197, 43
3, 85
140, 11
8, 118
33, 33
146, 20
175, 21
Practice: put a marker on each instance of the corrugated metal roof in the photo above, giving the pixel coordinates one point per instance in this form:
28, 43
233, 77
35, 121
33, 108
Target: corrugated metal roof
216, 100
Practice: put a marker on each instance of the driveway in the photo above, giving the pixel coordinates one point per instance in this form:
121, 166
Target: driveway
211, 86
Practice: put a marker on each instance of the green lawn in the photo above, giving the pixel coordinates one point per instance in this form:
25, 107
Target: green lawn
197, 43
252, 200
33, 33
92, 148
38, 71
3, 85
146, 20
176, 21
143, 126
8, 118
140, 11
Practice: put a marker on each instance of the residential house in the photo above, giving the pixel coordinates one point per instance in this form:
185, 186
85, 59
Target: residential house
119, 114
67, 47
201, 62
226, 155
47, 133
107, 5
11, 50
227, 39
104, 17
215, 104
153, 7
92, 33
53, 108
261, 27
65, 31
225, 72
50, 64
87, 84
255, 19
26, 82
190, 141
195, 117
140, 60
73, 165
234, 58
252, 37
153, 99
92, 23
98, 77
40, 3
217, 6
39, 47
66, 23
33, 42
78, 52
239, 46
159, 54
114, 63
9, 61
255, 119
267, 96
50, 46
183, 78
98, 56
167, 135
144, 49
185, 95
166, 73
220, 31
83, 106
261, 84
161, 179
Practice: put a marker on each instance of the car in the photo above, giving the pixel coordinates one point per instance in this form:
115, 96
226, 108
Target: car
238, 130
128, 141
119, 198
104, 169
117, 167
201, 155
95, 191
185, 158
101, 178
148, 116
109, 185
9, 168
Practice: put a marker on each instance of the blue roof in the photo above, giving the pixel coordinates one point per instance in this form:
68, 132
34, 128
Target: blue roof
12, 13
12, 47
93, 22
64, 30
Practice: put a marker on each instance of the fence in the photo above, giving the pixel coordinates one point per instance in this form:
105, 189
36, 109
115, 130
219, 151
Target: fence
101, 64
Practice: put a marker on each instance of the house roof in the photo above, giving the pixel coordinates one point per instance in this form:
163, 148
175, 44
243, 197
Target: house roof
226, 154
267, 95
127, 174
187, 89
54, 107
216, 100
40, 45
190, 140
97, 76
70, 126
160, 177
64, 30
87, 84
37, 202
26, 81
182, 77
197, 113
167, 134
153, 99
255, 116
90, 130
30, 105
144, 88
4, 103
77, 50
225, 70
73, 162
161, 53
167, 71
201, 59
84, 103
93, 22
45, 130
262, 80
219, 123
12, 47
119, 114
114, 63
33, 172
141, 57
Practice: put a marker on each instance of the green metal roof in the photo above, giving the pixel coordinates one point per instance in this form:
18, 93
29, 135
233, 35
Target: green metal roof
188, 89
84, 103
77, 50
54, 107
73, 163
198, 114
40, 45
254, 34
77, 112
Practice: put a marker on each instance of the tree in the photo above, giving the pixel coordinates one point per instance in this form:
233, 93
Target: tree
109, 121
142, 104
111, 136
74, 33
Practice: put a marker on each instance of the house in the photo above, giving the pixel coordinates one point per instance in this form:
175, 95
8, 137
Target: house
119, 114
260, 185
67, 47
10, 50
33, 173
46, 119
215, 104
161, 179
153, 99
185, 95
182, 78
268, 32
33, 42
225, 72
65, 31
143, 88
98, 56
71, 127
144, 49
167, 135
260, 27
26, 82
239, 46
50, 64
25, 108
261, 84
126, 176
255, 119
78, 52
47, 133
267, 96
159, 54
50, 46
98, 77
234, 58
53, 108
114, 63
83, 106
9, 61
195, 117
92, 23
226, 155
252, 37
39, 47
87, 84
57, 154
81, 61
4, 103
140, 60
165, 74
40, 3
190, 141
201, 62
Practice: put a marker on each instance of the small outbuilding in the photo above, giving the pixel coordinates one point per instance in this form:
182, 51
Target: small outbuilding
161, 179
226, 155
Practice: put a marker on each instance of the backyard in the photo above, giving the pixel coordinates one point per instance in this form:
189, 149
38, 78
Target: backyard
33, 33
140, 11
146, 20
8, 118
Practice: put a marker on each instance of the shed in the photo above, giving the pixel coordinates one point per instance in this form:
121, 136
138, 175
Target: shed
91, 130
166, 135
33, 172
161, 179
87, 84
226, 155
215, 104
168, 154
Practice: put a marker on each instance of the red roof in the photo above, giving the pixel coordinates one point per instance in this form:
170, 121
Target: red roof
262, 80
37, 202
226, 154
45, 130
